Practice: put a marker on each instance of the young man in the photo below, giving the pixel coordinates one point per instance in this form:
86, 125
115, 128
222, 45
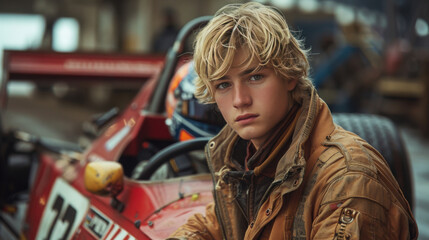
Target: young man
282, 169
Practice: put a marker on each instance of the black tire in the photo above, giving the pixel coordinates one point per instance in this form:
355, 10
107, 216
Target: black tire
384, 136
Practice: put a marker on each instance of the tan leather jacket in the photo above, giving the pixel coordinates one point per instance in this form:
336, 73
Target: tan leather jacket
330, 184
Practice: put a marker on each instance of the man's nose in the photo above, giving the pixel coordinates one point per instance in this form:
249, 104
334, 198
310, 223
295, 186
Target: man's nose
242, 96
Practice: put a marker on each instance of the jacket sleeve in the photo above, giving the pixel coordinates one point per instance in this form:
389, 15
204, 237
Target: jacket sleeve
199, 226
357, 206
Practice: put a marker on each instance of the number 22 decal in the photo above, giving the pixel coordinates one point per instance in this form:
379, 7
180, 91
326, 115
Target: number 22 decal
63, 213
68, 216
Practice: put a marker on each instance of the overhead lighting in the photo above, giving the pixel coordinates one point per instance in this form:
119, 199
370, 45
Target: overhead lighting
344, 14
366, 17
65, 35
328, 6
284, 4
261, 1
308, 5
422, 28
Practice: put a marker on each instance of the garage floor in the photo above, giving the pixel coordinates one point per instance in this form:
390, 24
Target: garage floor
418, 149
45, 116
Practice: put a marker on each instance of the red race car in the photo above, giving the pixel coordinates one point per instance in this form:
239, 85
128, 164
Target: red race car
108, 189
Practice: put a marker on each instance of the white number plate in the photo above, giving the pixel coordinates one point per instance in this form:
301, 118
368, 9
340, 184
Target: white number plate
63, 213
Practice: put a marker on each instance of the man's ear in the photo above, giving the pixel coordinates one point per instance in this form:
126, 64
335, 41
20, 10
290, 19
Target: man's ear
291, 84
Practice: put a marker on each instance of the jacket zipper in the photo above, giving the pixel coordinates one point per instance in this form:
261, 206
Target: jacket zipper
264, 197
219, 215
241, 209
269, 190
347, 217
250, 201
271, 187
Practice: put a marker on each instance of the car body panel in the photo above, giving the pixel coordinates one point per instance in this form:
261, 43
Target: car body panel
152, 209
59, 206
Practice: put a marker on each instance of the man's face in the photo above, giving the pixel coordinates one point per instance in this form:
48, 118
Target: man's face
252, 103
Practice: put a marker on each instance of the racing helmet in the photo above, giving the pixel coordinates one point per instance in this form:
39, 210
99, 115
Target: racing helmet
186, 117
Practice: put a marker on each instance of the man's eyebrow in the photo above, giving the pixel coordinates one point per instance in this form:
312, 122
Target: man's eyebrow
243, 73
248, 71
225, 77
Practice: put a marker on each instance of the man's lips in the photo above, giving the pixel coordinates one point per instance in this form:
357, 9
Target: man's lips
246, 117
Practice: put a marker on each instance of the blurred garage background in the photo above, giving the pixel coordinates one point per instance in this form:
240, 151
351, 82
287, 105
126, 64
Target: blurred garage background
367, 57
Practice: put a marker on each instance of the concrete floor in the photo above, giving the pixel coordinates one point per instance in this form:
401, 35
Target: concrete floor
418, 149
62, 120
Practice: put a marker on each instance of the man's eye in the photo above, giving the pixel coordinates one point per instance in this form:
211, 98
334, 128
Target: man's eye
222, 85
256, 77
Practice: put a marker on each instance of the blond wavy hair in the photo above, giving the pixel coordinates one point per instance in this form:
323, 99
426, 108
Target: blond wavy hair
261, 30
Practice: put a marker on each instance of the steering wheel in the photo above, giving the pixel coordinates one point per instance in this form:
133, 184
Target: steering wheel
144, 172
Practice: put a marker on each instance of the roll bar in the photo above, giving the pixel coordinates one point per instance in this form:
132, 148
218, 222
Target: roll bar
156, 104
